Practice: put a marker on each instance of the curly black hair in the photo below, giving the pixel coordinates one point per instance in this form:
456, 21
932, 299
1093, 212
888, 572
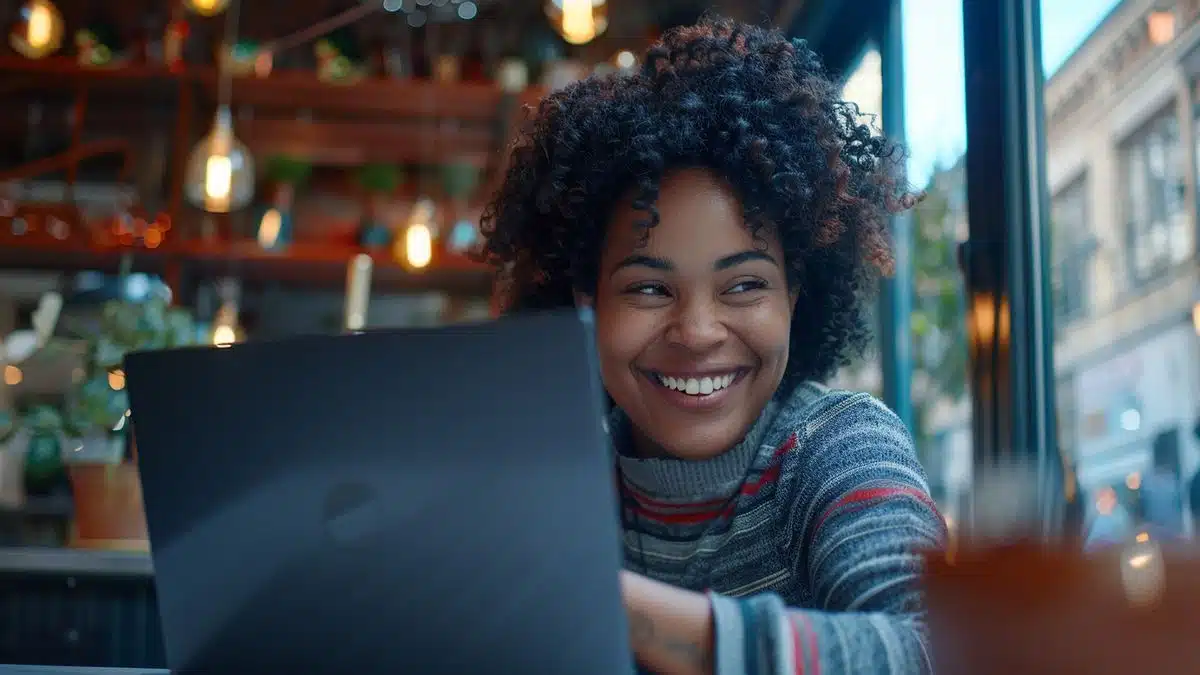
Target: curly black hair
749, 104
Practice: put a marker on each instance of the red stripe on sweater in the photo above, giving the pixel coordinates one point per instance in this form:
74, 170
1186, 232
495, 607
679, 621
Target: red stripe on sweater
813, 649
674, 514
716, 505
857, 500
806, 655
798, 649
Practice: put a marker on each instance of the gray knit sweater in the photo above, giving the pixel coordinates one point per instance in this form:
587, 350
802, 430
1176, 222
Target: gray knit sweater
807, 536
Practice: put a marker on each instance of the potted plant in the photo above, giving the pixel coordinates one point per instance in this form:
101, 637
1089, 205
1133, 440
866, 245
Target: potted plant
44, 449
104, 481
339, 58
34, 443
379, 181
286, 174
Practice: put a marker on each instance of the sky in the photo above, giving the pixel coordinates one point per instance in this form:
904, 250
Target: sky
933, 70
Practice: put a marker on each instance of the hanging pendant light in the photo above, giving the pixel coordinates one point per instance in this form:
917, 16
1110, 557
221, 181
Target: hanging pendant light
220, 170
578, 21
207, 7
219, 177
39, 31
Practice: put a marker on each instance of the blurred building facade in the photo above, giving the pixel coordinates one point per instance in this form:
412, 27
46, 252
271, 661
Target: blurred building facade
1121, 126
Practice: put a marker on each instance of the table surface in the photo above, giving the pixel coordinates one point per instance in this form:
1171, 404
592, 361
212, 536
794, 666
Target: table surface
76, 561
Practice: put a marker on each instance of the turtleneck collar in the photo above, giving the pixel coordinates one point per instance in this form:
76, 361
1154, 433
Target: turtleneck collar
686, 480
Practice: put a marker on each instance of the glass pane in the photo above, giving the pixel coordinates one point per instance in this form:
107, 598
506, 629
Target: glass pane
864, 87
1121, 158
935, 112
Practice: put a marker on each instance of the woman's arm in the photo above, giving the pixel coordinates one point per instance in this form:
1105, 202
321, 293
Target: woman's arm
670, 629
856, 516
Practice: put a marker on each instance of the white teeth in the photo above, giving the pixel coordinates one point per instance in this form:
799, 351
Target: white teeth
697, 386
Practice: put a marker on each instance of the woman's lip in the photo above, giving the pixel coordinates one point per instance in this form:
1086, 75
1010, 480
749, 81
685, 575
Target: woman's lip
698, 374
686, 401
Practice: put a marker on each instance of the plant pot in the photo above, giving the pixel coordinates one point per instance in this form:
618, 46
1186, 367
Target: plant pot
108, 507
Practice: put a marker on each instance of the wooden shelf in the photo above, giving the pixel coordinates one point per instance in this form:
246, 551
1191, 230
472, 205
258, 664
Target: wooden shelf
65, 70
349, 144
466, 101
290, 90
323, 265
314, 265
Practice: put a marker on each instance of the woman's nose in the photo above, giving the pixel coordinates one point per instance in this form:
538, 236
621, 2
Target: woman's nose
698, 326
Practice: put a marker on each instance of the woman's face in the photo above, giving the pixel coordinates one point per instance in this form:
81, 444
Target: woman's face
692, 323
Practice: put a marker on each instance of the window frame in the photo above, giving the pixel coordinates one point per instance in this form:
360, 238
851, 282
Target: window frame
1072, 248
1153, 205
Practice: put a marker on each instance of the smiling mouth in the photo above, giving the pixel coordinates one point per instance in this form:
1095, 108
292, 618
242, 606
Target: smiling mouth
698, 387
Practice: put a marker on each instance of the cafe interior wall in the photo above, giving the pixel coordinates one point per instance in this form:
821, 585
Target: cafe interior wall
825, 22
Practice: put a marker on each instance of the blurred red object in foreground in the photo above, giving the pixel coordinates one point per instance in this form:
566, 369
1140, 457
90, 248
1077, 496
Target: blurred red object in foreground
1038, 610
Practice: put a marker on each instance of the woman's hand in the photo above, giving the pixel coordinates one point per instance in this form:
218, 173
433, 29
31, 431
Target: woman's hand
670, 629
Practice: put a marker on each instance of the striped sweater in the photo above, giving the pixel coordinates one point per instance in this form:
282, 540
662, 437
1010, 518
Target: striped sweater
806, 537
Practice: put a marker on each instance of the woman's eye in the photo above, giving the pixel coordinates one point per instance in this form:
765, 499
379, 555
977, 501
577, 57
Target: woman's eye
650, 290
747, 286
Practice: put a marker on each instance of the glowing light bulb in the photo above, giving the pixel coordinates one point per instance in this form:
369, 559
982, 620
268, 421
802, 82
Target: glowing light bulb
415, 248
578, 21
13, 375
41, 26
269, 228
223, 336
207, 7
218, 177
578, 24
418, 245
225, 329
220, 171
39, 31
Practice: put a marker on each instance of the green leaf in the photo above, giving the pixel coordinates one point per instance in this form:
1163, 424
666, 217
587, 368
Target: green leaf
459, 179
288, 170
44, 419
380, 178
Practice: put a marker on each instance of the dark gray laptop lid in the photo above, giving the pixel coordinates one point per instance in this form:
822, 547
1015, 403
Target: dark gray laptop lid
417, 501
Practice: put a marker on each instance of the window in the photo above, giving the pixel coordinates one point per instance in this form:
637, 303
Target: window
863, 86
1156, 221
935, 130
1071, 248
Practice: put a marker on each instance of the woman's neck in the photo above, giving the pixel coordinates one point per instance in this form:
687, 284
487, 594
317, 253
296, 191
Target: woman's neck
651, 470
644, 447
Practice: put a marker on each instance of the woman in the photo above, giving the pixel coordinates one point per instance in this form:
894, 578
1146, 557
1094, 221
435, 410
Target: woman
724, 214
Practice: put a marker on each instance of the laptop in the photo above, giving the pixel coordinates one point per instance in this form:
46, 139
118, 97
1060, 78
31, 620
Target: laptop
412, 501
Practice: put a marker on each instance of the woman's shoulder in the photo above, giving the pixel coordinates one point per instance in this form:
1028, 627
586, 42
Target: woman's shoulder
812, 408
832, 433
